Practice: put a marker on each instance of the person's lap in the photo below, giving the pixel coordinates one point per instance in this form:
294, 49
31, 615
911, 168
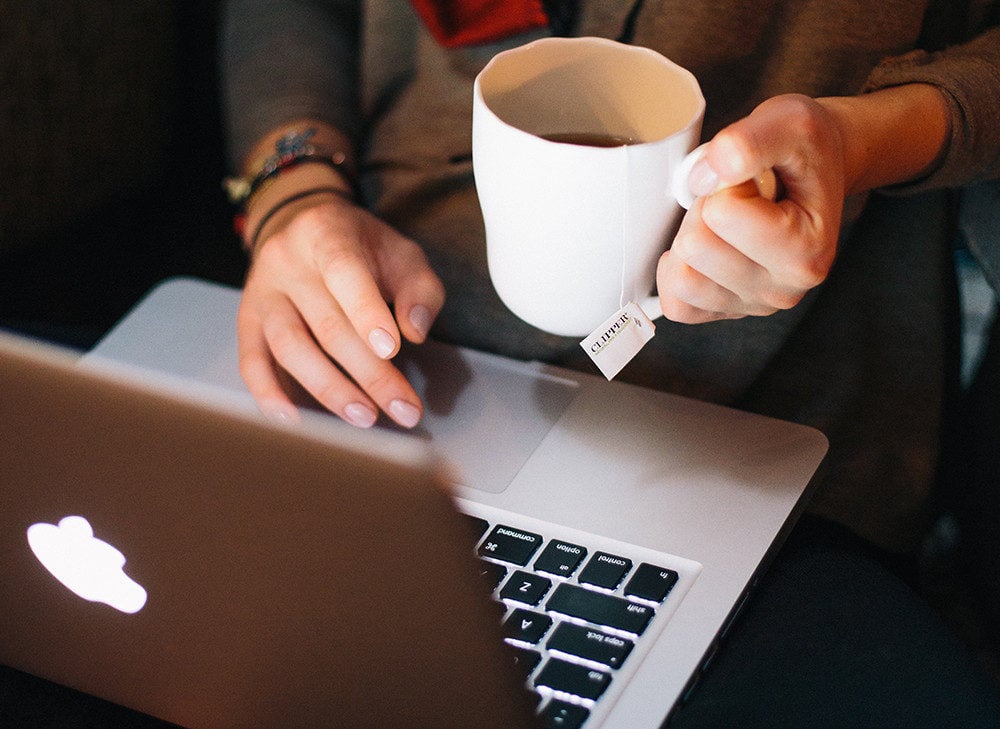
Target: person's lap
832, 638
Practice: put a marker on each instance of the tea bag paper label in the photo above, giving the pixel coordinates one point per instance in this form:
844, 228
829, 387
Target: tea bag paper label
619, 338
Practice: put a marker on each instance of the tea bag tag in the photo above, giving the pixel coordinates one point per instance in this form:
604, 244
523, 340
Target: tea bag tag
619, 338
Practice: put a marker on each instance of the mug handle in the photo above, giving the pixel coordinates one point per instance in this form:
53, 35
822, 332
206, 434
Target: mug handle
766, 181
767, 186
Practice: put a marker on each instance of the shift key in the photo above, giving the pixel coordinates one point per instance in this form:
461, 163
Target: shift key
601, 609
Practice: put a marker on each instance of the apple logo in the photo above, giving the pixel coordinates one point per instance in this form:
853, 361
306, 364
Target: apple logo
89, 567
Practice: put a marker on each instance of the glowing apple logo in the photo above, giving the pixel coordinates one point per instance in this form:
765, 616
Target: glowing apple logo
86, 565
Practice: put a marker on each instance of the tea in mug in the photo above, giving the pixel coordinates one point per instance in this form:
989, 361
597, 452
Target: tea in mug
589, 139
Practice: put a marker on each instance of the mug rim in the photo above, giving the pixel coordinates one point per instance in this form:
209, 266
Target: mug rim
696, 117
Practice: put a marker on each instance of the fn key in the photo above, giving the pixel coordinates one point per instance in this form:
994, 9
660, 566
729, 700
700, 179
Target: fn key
572, 678
651, 582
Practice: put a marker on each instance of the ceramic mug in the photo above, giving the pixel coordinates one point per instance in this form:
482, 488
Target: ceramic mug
574, 228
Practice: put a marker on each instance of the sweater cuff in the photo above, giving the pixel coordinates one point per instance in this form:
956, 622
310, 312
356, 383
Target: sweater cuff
969, 79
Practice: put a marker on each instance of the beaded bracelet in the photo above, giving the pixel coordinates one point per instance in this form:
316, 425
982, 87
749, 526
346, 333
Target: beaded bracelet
291, 150
251, 244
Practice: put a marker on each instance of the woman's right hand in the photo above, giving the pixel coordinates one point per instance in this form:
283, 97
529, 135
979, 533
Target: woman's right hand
314, 308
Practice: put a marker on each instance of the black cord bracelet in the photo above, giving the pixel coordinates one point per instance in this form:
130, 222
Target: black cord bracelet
251, 245
291, 150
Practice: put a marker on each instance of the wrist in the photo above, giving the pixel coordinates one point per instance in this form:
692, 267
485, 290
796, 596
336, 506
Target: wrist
294, 157
890, 136
296, 190
286, 148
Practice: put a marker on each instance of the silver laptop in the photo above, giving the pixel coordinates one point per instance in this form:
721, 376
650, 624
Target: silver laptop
317, 575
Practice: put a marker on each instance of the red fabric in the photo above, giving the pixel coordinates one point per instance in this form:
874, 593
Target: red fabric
455, 23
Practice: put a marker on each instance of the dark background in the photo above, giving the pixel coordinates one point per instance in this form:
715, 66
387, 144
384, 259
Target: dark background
111, 159
111, 141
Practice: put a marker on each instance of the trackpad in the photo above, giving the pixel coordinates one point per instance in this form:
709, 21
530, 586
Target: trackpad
485, 416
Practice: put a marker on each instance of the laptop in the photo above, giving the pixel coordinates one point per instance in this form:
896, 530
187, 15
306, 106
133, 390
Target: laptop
547, 548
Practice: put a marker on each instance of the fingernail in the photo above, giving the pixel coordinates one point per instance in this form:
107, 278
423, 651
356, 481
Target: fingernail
382, 342
404, 413
360, 415
282, 413
702, 180
420, 318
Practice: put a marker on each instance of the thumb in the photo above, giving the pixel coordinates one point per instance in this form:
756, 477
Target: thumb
725, 163
785, 134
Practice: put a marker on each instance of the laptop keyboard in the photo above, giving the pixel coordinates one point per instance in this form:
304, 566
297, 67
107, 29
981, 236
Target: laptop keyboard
574, 614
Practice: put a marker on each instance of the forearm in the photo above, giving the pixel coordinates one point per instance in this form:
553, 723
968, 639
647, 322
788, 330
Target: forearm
286, 61
891, 136
968, 75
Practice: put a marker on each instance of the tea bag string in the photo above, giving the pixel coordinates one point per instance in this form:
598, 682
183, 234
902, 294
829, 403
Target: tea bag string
625, 227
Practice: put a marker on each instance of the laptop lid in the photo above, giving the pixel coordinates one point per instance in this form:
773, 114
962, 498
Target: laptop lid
245, 574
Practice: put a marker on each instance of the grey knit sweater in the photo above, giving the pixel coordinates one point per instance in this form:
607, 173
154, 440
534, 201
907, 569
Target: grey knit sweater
863, 358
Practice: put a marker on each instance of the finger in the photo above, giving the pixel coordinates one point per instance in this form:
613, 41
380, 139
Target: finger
792, 250
689, 297
697, 246
258, 368
336, 236
379, 379
411, 284
350, 279
295, 350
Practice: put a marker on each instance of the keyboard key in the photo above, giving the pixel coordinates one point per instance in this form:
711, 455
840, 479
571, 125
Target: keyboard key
590, 644
527, 625
605, 570
560, 558
492, 572
510, 545
572, 678
525, 587
562, 715
478, 526
601, 609
651, 582
526, 660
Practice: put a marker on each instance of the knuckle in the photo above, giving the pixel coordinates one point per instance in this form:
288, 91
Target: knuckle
675, 309
380, 380
331, 328
283, 341
810, 277
251, 364
380, 383
687, 284
684, 242
681, 304
330, 394
776, 300
333, 257
802, 114
427, 281
810, 272
684, 313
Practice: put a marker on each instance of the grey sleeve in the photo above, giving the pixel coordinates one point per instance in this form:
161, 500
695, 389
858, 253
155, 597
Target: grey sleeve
286, 60
969, 76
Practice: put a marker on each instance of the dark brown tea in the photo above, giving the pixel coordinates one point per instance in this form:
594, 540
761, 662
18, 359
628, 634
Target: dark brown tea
590, 139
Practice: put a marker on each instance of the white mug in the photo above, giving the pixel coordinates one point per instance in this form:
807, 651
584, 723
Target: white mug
574, 231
